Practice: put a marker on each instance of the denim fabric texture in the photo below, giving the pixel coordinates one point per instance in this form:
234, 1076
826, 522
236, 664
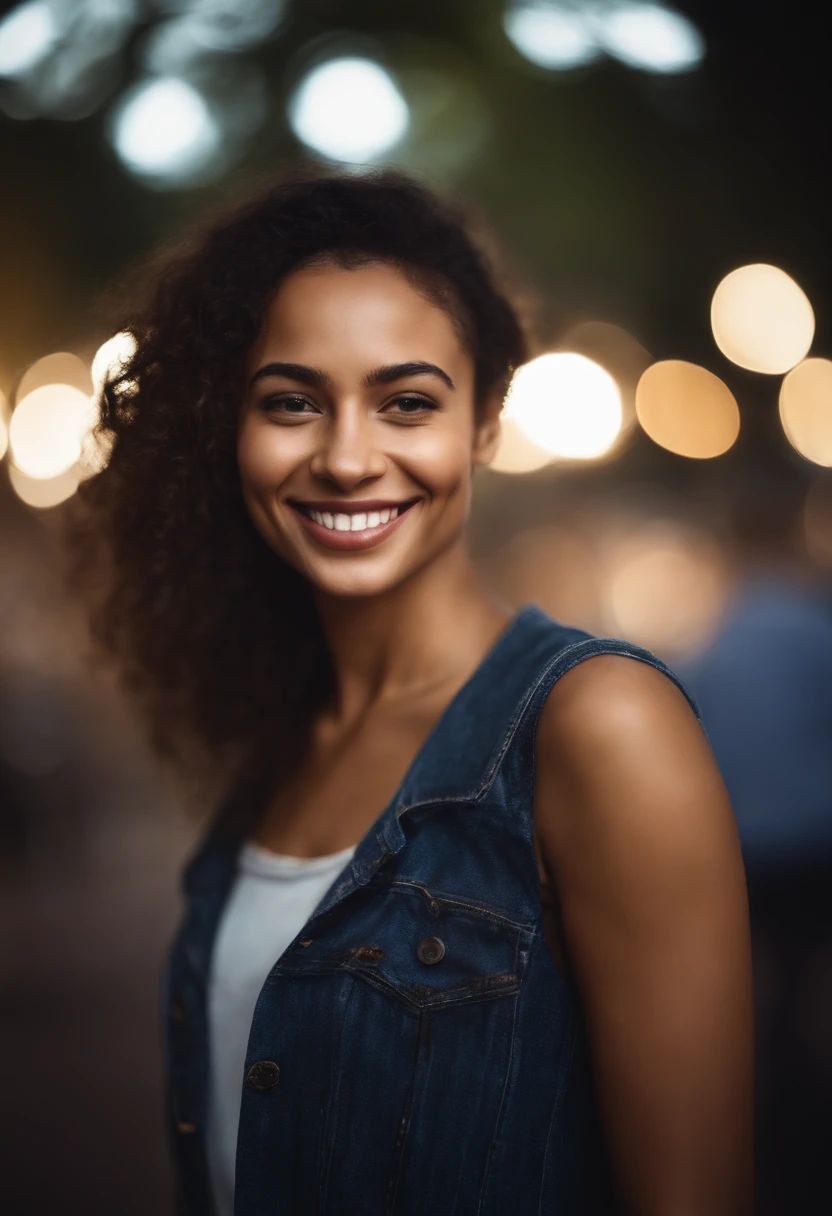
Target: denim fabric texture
415, 1049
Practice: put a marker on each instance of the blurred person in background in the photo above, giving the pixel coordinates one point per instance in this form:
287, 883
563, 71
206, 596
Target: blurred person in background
468, 931
764, 686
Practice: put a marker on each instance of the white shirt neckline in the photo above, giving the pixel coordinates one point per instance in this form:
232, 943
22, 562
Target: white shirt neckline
265, 863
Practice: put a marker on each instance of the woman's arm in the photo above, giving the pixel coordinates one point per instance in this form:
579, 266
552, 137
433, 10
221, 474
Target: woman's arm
637, 832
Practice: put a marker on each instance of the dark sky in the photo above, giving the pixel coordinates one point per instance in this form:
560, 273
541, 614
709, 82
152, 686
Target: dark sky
619, 195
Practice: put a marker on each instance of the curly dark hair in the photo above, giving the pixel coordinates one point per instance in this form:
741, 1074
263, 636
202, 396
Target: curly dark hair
214, 635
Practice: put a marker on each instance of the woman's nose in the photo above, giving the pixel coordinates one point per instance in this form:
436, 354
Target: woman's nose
348, 453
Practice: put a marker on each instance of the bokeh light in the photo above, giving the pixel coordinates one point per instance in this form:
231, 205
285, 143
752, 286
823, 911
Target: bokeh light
806, 410
27, 35
687, 409
231, 25
761, 319
163, 130
563, 34
47, 430
44, 493
566, 404
517, 453
348, 109
551, 35
650, 37
71, 64
59, 368
110, 358
618, 352
666, 588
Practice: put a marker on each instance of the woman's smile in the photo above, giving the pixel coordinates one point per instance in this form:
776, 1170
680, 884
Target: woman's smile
351, 525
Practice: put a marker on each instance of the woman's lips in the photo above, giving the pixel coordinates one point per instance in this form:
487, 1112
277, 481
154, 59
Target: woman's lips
332, 538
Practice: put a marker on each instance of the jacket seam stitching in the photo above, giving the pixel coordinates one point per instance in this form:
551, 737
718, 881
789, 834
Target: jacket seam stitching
499, 1117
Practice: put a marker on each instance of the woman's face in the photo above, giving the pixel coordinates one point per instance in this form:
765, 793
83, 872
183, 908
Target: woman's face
357, 439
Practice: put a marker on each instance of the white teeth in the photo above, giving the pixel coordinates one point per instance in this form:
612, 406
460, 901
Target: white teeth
341, 522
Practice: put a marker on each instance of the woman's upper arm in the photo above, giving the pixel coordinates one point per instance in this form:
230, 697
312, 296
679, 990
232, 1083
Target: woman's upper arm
637, 831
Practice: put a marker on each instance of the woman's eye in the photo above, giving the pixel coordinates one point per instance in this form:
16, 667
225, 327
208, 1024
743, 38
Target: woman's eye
411, 404
287, 404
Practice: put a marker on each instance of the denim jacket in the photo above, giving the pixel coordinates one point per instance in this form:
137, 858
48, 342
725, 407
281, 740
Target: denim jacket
415, 1049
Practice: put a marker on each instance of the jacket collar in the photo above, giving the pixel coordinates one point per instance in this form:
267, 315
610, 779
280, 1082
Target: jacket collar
455, 764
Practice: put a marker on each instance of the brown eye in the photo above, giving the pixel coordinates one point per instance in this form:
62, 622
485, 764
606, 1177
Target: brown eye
287, 404
412, 405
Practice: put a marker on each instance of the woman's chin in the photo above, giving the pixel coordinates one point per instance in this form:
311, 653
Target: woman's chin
354, 584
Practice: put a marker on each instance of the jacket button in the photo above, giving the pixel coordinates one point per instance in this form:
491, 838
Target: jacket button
263, 1075
178, 1012
185, 1127
430, 950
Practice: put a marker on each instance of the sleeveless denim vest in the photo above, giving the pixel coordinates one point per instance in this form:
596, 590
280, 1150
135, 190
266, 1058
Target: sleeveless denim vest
415, 1049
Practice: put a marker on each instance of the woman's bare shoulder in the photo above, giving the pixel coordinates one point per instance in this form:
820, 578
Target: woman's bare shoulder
621, 759
636, 828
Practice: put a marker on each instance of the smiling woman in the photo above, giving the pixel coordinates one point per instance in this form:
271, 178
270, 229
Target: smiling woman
334, 401
468, 931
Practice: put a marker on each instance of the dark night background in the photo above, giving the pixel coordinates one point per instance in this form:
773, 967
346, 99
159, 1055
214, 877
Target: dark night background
617, 195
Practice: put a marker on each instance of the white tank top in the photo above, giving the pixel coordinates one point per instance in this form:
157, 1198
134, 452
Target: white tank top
272, 897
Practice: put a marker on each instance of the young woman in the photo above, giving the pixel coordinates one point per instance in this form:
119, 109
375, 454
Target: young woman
471, 921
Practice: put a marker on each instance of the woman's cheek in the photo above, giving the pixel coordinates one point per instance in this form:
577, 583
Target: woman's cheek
266, 455
439, 461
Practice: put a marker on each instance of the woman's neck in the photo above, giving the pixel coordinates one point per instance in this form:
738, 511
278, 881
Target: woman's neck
431, 631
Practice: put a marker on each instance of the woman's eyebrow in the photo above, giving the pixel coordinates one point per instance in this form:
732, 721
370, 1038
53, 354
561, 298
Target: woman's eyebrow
401, 371
293, 371
386, 374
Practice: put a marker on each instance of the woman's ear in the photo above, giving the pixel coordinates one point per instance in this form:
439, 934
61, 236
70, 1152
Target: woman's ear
487, 431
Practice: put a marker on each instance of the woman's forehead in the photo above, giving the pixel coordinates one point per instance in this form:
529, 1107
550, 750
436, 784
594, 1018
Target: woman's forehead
374, 308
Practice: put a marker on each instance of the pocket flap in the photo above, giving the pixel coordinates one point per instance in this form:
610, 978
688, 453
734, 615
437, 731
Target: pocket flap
425, 949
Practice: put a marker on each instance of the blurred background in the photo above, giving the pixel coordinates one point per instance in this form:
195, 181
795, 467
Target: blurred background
658, 177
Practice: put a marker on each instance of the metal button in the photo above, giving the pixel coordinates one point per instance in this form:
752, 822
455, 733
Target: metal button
263, 1075
184, 1126
430, 950
178, 1012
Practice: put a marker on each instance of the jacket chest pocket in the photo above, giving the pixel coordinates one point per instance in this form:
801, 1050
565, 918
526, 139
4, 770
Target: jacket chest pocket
393, 1024
425, 950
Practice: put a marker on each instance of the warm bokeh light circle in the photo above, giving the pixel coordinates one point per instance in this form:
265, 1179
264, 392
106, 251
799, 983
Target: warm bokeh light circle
666, 588
59, 368
566, 404
47, 430
517, 453
761, 319
110, 358
44, 493
806, 410
687, 409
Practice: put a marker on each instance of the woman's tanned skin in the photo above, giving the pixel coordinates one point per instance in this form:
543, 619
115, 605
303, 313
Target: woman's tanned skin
638, 836
644, 894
